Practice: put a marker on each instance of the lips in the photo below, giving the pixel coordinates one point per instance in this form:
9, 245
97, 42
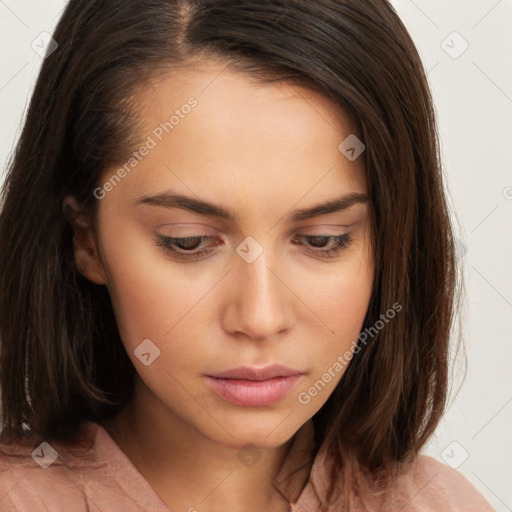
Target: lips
254, 387
251, 373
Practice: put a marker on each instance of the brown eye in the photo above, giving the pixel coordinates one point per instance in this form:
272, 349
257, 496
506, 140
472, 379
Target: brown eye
325, 245
185, 247
319, 241
189, 243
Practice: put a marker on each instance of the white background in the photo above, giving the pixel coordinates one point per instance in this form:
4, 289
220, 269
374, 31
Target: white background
473, 96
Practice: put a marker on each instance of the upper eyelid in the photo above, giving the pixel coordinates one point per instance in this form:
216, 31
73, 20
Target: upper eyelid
212, 238
305, 230
331, 236
342, 243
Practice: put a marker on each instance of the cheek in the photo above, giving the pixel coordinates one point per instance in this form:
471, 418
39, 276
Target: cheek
341, 298
341, 302
347, 303
156, 299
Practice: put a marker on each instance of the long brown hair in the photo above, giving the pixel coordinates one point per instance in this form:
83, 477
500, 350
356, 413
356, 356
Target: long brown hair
62, 361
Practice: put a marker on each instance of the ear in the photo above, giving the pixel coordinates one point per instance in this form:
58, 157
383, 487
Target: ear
87, 259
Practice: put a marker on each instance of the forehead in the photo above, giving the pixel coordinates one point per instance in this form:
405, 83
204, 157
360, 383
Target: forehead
216, 130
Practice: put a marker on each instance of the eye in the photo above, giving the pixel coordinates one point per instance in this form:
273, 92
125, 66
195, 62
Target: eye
193, 247
184, 247
326, 246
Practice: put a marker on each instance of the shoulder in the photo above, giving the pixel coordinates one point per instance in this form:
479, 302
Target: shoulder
430, 485
34, 473
34, 452
424, 485
89, 472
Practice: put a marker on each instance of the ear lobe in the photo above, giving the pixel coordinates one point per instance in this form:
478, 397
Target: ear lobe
87, 259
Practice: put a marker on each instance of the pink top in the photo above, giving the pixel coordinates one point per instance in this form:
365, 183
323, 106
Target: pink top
60, 477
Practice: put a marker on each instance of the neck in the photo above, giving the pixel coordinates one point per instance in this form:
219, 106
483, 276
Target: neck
189, 471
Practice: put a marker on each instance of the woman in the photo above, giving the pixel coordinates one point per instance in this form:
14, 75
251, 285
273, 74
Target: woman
228, 272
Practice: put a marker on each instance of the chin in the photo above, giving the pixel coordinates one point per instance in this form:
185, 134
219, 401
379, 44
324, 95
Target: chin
257, 429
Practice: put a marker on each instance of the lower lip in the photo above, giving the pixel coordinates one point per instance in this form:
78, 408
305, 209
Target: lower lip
253, 393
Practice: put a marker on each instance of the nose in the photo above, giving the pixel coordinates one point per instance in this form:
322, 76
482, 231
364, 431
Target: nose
259, 303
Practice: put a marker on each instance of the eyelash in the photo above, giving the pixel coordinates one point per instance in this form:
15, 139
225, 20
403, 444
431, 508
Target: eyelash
167, 243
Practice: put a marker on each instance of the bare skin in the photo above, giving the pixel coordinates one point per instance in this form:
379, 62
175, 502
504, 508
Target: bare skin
260, 151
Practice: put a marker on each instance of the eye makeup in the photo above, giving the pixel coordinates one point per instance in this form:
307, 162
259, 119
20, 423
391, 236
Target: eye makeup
193, 248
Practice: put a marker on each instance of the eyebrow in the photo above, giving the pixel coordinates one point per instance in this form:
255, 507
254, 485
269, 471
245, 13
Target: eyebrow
172, 200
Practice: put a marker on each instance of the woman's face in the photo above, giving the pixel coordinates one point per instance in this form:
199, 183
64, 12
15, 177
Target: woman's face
237, 169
